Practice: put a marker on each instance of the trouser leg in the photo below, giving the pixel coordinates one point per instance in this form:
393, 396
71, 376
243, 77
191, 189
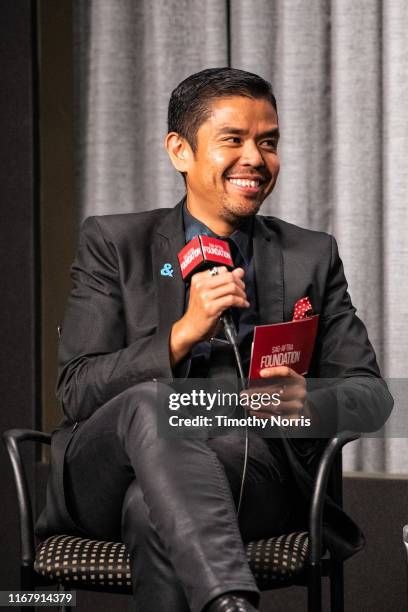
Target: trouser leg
183, 485
265, 512
189, 500
268, 500
156, 585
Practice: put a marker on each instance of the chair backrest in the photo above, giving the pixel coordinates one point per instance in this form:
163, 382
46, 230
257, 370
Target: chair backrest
405, 537
335, 484
12, 439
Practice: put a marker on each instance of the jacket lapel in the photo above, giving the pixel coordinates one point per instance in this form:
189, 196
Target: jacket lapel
268, 273
169, 240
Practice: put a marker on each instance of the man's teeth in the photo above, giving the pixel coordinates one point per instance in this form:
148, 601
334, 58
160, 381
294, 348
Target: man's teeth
244, 182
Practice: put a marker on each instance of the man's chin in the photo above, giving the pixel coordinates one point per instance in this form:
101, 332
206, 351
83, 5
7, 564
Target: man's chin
239, 211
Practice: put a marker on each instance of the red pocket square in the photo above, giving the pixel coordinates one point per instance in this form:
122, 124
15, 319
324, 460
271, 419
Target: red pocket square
303, 309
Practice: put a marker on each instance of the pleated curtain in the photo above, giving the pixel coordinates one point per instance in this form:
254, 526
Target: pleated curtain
339, 70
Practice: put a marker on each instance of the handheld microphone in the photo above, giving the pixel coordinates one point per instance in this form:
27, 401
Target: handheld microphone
204, 253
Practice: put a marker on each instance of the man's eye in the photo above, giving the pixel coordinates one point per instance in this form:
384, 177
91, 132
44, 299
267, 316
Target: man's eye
234, 139
270, 143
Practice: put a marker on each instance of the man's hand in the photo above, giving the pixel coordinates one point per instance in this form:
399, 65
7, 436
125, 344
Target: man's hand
291, 388
209, 297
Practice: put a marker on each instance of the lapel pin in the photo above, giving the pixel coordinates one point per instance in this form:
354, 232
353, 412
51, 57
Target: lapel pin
167, 270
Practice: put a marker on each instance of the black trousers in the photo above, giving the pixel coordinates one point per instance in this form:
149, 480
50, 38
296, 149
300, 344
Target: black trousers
173, 501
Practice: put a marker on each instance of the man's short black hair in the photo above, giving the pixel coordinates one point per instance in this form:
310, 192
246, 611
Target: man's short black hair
190, 102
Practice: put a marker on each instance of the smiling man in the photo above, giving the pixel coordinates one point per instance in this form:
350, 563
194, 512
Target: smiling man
131, 321
232, 164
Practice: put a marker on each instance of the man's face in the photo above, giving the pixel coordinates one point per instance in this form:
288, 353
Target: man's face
235, 165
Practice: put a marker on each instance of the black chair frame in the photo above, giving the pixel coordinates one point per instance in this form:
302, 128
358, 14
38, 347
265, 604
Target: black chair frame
319, 564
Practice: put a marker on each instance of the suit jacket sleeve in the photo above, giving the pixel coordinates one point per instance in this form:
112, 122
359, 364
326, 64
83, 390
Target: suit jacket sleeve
95, 362
352, 394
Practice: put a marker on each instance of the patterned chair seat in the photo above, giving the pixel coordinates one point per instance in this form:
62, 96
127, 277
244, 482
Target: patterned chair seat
80, 562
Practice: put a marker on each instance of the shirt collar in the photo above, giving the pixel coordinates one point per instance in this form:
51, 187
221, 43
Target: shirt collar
241, 237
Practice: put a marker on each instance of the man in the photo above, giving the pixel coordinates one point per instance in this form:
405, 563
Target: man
130, 321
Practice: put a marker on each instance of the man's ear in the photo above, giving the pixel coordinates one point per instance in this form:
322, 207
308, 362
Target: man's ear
179, 151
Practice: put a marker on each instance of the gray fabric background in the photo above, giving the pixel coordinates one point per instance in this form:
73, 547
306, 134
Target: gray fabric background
340, 73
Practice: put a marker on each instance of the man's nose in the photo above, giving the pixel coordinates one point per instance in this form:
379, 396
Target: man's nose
251, 155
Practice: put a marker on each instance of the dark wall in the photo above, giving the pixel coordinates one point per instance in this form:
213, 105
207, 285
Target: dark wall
375, 578
19, 254
57, 211
37, 210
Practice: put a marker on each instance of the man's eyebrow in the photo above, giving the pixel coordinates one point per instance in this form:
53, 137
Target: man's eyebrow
274, 133
227, 129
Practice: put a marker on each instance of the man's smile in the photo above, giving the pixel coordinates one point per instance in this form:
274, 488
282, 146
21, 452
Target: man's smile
247, 184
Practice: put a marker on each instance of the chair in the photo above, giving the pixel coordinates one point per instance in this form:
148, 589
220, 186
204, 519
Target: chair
405, 542
79, 563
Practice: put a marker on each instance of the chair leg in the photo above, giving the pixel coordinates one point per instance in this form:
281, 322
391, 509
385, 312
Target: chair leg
26, 578
314, 589
336, 586
26, 584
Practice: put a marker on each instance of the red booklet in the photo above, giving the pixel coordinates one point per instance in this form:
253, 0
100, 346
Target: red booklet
290, 344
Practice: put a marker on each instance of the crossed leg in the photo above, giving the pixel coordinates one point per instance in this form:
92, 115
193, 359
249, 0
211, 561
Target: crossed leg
172, 500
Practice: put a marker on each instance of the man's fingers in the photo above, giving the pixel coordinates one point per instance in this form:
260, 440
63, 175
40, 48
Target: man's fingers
228, 289
215, 308
280, 372
293, 406
283, 409
210, 296
220, 270
202, 280
292, 392
238, 273
285, 393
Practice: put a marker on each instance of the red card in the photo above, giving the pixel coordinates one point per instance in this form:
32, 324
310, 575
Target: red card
290, 344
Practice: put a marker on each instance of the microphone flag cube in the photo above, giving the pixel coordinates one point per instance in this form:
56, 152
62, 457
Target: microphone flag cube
203, 252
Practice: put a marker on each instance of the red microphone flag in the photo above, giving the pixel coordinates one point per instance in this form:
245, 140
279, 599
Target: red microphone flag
202, 252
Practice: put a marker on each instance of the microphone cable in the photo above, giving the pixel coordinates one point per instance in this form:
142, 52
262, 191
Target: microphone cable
232, 337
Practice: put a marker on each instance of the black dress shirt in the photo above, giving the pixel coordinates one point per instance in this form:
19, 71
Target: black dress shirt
240, 243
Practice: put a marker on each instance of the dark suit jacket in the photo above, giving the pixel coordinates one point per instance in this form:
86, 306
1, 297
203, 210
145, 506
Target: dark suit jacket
121, 310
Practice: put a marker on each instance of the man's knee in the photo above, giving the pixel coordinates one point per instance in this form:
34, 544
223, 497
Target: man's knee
142, 402
139, 413
230, 450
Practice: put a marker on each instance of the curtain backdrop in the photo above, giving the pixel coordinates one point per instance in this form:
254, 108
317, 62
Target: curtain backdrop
340, 74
